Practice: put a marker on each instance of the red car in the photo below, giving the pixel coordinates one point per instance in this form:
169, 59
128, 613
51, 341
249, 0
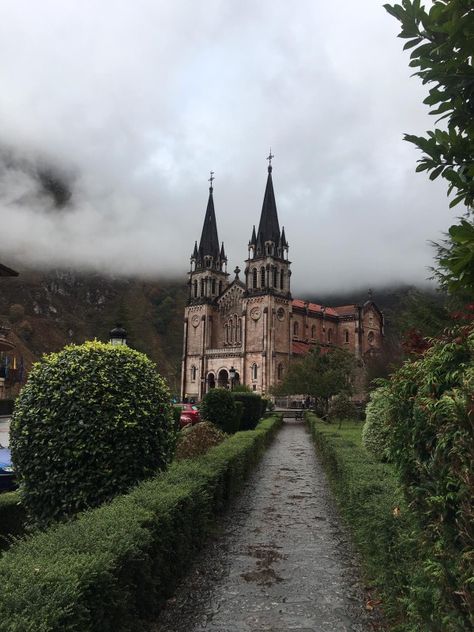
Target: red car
189, 414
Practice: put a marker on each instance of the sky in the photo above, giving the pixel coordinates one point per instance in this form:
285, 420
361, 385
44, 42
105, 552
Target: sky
129, 105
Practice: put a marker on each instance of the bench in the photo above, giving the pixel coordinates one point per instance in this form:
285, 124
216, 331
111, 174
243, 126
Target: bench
292, 413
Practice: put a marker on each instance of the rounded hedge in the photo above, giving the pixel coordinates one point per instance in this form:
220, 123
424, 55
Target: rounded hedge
218, 407
252, 409
376, 430
91, 421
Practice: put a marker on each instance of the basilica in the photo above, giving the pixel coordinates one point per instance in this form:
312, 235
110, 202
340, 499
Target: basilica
248, 329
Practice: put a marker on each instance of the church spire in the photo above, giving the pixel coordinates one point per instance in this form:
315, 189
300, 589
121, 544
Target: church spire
210, 254
269, 228
209, 244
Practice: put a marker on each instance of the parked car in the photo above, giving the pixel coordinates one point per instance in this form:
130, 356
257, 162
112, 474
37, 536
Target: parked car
7, 475
189, 414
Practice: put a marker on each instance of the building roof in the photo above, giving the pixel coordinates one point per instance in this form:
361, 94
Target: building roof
300, 348
315, 308
345, 310
209, 244
269, 228
4, 271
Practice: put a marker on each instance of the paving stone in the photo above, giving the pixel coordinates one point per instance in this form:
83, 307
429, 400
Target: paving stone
281, 560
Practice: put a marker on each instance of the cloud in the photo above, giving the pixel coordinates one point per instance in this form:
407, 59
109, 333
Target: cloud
127, 106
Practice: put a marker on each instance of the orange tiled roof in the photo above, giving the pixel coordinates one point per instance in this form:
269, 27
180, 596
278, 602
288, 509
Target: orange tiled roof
300, 348
314, 307
344, 310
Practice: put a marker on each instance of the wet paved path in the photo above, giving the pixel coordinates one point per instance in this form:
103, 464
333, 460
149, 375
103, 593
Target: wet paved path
281, 561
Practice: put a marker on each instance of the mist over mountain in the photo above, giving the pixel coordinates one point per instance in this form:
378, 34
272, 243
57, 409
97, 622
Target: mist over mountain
112, 114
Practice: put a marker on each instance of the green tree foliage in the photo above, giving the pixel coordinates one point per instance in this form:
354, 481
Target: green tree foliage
376, 429
91, 421
432, 445
342, 407
441, 46
16, 312
321, 374
218, 407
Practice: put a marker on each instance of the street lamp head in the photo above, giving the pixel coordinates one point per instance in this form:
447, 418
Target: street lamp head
118, 335
232, 373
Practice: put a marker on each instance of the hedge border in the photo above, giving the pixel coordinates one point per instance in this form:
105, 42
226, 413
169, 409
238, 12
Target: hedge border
112, 568
383, 529
12, 518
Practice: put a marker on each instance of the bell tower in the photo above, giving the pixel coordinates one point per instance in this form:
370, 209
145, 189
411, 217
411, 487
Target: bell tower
268, 297
208, 273
208, 278
267, 267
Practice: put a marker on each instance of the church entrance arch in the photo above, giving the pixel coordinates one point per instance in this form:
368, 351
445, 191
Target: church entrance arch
211, 381
223, 379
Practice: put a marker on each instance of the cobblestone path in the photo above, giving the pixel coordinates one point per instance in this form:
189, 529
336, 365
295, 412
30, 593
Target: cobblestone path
281, 561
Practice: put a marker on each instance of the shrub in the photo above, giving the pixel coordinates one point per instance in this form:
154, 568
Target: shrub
218, 407
197, 439
112, 568
341, 407
12, 517
91, 421
238, 415
431, 444
383, 528
376, 429
252, 409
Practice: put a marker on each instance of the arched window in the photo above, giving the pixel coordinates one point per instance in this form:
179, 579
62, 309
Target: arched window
346, 335
193, 373
280, 371
275, 277
329, 335
282, 277
255, 280
295, 328
262, 277
226, 334
254, 371
195, 288
202, 287
239, 330
371, 338
213, 286
220, 288
313, 331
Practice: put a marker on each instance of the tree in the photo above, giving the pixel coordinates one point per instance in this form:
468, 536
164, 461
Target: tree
441, 39
321, 374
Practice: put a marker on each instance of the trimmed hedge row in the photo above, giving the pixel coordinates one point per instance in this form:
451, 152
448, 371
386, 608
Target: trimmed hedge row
253, 408
383, 529
112, 568
12, 518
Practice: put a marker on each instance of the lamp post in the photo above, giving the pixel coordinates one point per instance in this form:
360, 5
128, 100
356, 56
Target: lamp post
232, 377
118, 336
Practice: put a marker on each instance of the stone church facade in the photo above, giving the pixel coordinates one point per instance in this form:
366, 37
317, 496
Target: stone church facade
249, 329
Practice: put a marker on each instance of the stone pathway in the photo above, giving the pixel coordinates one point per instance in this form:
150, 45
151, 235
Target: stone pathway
281, 561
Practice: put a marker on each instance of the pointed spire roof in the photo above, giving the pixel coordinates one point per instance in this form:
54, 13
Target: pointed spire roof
195, 251
269, 228
284, 243
209, 244
253, 239
222, 255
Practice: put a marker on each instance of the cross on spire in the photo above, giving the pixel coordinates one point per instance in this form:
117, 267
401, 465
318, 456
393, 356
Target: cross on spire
211, 179
269, 158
